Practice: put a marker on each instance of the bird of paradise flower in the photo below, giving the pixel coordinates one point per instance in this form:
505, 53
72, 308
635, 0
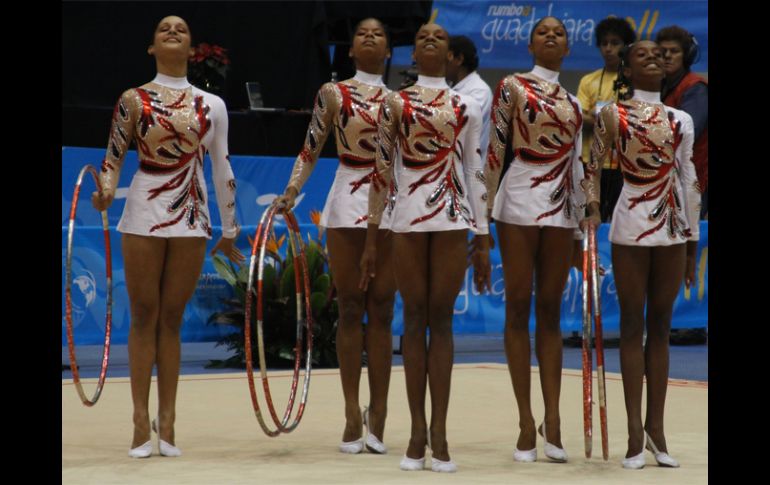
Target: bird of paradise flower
272, 247
315, 218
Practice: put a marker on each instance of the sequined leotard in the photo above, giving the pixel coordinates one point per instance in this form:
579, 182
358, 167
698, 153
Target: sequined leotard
543, 123
429, 136
350, 108
173, 125
660, 200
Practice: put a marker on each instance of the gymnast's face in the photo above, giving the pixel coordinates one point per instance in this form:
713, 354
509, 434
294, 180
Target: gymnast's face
549, 40
431, 42
369, 40
645, 63
172, 36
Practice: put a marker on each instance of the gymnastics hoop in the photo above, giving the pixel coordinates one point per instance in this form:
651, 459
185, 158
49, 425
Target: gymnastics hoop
587, 353
599, 341
68, 292
298, 253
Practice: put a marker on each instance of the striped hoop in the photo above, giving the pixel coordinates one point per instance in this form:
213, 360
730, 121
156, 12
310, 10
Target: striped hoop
587, 353
302, 286
68, 292
599, 341
592, 308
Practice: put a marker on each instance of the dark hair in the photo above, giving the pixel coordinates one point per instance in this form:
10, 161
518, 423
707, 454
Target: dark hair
622, 83
382, 24
685, 39
617, 26
532, 34
462, 45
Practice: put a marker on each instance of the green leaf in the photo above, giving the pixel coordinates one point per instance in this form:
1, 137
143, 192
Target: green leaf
314, 259
233, 362
268, 282
234, 318
215, 364
289, 252
224, 269
243, 273
331, 357
286, 352
233, 303
240, 293
322, 284
287, 281
317, 302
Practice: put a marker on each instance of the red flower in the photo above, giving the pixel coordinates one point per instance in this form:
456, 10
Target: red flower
205, 52
207, 67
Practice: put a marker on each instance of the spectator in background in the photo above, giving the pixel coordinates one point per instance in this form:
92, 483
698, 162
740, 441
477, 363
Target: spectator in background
462, 76
598, 89
689, 92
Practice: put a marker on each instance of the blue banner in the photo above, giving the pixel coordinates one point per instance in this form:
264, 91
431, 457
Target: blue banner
501, 29
259, 180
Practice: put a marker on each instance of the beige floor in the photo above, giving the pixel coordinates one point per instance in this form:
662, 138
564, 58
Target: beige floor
223, 444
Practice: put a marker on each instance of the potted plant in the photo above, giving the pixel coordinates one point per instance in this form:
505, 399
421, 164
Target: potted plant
279, 306
207, 68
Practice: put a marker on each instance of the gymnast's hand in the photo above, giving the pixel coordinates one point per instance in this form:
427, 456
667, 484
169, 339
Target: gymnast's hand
592, 220
367, 266
472, 246
227, 247
284, 203
491, 240
103, 199
482, 270
689, 271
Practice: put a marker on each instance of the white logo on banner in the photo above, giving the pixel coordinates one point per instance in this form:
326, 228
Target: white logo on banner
514, 23
83, 295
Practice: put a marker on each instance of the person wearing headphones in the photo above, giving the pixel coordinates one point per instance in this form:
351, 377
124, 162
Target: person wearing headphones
689, 92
